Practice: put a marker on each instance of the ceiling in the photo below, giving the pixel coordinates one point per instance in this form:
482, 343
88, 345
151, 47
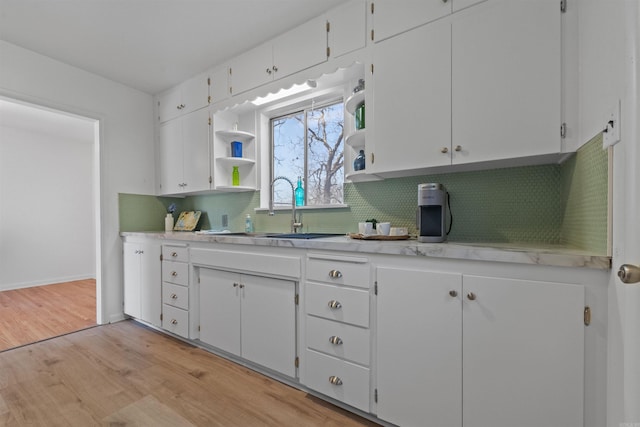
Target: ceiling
150, 45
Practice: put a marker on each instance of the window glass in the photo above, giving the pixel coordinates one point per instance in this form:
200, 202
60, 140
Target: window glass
309, 144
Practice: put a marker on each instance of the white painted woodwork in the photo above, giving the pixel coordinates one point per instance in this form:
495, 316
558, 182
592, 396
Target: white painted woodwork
249, 316
224, 123
506, 58
393, 17
412, 99
175, 295
345, 270
175, 253
175, 320
219, 88
355, 342
251, 69
419, 347
142, 281
185, 98
262, 264
523, 353
184, 153
354, 303
175, 272
348, 28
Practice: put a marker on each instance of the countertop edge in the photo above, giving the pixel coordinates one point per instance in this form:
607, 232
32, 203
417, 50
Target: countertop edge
557, 256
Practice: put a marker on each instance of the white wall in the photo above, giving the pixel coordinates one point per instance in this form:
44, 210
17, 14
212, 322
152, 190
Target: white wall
126, 143
46, 208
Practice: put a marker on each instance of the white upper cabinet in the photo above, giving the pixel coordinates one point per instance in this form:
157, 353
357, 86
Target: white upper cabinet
295, 50
219, 88
391, 17
412, 99
185, 98
347, 28
506, 80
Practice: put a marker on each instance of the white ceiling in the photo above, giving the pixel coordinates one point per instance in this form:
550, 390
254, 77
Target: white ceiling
150, 45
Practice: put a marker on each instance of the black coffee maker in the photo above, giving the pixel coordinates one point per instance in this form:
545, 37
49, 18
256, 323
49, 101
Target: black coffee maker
432, 213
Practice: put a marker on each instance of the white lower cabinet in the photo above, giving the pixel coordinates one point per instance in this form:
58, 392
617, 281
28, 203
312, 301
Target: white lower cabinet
250, 316
142, 282
456, 350
176, 308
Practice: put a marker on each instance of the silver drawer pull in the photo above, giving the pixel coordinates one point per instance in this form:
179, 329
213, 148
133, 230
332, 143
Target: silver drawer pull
335, 380
174, 273
174, 322
174, 296
235, 285
174, 254
335, 340
333, 304
471, 296
335, 274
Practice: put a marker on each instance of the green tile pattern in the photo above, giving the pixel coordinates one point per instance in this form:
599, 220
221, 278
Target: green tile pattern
145, 213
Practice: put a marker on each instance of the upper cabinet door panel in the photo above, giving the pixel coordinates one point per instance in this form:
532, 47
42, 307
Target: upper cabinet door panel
171, 160
251, 69
219, 88
169, 104
195, 93
300, 48
506, 80
195, 140
412, 99
348, 28
391, 17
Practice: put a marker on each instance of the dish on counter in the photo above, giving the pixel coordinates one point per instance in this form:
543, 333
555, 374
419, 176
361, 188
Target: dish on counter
377, 237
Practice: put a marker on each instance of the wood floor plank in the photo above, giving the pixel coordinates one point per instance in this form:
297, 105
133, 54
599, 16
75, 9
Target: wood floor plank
126, 374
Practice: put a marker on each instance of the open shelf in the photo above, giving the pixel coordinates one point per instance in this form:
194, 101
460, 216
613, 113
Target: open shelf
353, 101
235, 135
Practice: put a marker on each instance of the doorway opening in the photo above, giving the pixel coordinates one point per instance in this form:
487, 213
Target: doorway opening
49, 222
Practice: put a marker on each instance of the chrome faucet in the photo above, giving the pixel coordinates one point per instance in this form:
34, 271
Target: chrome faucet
295, 223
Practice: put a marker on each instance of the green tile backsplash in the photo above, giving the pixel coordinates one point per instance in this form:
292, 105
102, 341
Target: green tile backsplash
546, 204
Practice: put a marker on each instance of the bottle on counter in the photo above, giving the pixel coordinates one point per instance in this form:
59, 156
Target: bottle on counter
248, 224
299, 193
168, 222
235, 176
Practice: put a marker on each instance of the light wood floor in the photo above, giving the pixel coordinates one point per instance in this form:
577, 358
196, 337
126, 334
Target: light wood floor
126, 374
33, 314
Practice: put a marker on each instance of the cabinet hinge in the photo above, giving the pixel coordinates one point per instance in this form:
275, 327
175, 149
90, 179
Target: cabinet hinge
328, 52
563, 6
375, 288
231, 90
296, 299
563, 130
208, 81
209, 99
375, 395
328, 26
160, 316
296, 362
371, 68
198, 328
230, 71
587, 315
372, 35
373, 158
373, 7
160, 257
209, 121
210, 179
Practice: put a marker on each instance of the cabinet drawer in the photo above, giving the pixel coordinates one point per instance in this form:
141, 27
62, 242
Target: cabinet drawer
338, 379
175, 272
349, 305
350, 271
175, 320
175, 253
339, 339
175, 295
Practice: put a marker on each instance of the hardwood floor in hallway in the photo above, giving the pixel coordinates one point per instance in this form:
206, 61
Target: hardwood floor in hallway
33, 314
125, 374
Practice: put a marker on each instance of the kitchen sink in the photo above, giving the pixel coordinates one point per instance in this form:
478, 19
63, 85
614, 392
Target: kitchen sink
301, 235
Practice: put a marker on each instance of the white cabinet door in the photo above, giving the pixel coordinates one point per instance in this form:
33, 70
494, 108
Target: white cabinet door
220, 309
169, 104
170, 157
419, 347
251, 69
196, 155
300, 48
219, 88
195, 93
391, 17
268, 323
347, 31
506, 80
142, 281
412, 99
523, 353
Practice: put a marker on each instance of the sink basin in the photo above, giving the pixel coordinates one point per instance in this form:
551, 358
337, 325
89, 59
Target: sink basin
301, 235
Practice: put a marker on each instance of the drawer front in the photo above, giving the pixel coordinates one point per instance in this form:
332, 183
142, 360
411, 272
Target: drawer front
175, 320
338, 379
339, 339
175, 253
337, 303
175, 272
353, 273
175, 295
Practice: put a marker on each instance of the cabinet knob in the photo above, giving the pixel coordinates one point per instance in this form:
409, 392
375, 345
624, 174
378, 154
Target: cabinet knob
458, 148
269, 71
235, 285
174, 273
453, 293
174, 296
335, 340
444, 150
335, 380
174, 254
334, 305
241, 286
275, 69
335, 274
471, 296
174, 322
